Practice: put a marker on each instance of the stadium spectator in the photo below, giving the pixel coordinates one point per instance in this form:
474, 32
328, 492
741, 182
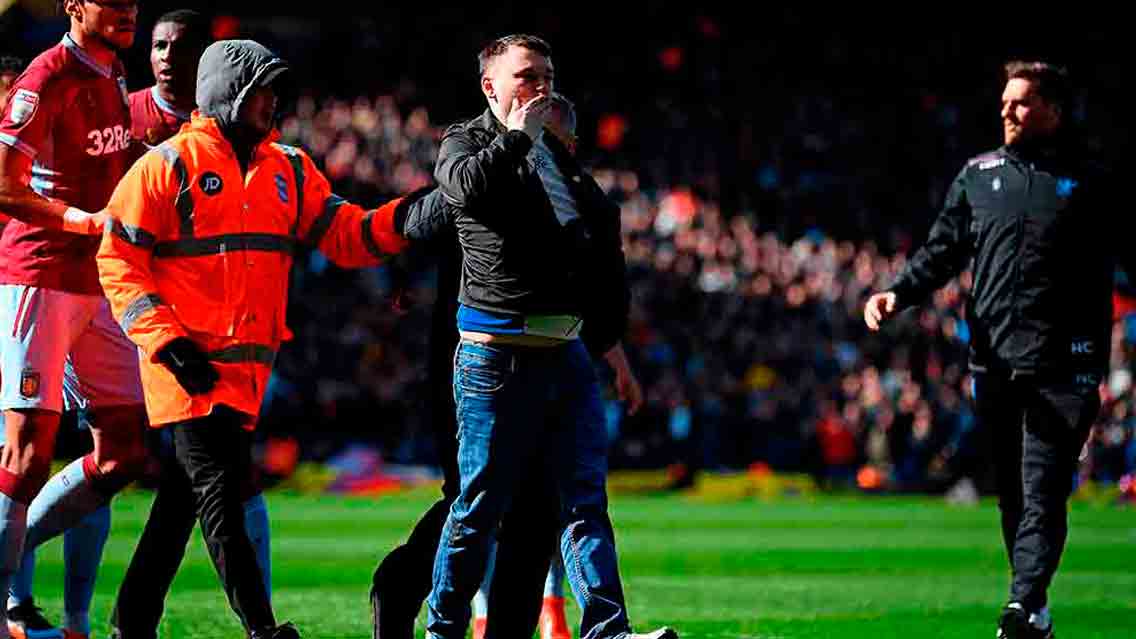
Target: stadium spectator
708, 356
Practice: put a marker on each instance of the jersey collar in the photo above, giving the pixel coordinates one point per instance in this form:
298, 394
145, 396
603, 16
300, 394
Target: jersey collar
166, 106
85, 58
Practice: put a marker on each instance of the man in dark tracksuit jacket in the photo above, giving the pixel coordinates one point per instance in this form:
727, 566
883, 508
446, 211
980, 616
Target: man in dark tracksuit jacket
1033, 220
402, 580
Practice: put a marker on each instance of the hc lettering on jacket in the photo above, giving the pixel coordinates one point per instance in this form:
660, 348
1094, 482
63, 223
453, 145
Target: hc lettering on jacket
1087, 379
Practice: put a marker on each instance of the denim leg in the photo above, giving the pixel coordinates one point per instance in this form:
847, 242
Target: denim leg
587, 541
501, 395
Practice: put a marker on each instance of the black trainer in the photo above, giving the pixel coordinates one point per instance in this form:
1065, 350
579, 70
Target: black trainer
26, 621
1014, 624
661, 633
391, 616
283, 631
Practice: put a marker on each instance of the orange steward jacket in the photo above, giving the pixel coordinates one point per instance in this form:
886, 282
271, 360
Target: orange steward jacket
196, 249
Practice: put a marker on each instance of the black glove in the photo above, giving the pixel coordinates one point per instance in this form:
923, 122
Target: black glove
189, 365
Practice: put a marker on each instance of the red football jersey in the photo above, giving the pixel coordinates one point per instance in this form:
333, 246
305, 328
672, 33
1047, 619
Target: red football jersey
70, 115
152, 119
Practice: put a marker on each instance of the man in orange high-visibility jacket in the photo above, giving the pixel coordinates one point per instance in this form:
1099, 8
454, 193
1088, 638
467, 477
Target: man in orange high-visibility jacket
195, 264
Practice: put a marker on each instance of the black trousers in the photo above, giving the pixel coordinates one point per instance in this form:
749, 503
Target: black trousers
1035, 430
214, 454
528, 539
160, 550
403, 578
158, 555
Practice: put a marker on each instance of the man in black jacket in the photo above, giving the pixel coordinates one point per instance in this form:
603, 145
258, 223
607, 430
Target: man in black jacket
402, 580
1032, 218
524, 385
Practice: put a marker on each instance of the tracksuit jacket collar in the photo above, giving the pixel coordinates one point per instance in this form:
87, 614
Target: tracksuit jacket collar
1045, 150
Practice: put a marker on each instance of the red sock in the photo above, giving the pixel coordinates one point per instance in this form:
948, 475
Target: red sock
553, 624
106, 483
479, 627
20, 488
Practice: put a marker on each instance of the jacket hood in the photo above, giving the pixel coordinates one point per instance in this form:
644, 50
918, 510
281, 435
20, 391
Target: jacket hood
228, 70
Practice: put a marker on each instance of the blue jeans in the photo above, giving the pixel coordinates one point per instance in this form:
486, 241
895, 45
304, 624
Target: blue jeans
523, 411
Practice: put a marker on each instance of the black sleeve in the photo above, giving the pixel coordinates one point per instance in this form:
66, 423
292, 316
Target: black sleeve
426, 219
605, 320
424, 215
466, 171
944, 254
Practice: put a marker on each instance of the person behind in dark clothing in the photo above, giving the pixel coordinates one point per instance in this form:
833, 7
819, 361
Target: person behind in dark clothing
1032, 218
402, 580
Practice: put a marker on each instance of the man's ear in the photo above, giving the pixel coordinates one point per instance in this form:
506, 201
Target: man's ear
487, 88
71, 9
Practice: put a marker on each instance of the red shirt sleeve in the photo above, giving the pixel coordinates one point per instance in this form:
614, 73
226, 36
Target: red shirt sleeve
27, 120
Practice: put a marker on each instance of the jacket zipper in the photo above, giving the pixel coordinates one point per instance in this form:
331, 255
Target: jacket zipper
1015, 314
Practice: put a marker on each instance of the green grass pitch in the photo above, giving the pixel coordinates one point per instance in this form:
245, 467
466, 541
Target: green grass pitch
806, 568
